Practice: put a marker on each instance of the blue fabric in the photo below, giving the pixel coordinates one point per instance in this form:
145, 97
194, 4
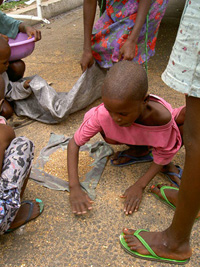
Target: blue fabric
9, 26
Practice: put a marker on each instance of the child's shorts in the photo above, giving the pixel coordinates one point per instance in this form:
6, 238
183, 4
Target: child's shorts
183, 69
17, 162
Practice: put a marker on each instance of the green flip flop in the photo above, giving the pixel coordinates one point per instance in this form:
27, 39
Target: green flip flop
165, 200
28, 219
152, 256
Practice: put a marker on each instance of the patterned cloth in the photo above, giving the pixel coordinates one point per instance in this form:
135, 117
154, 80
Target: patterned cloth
113, 28
183, 69
16, 166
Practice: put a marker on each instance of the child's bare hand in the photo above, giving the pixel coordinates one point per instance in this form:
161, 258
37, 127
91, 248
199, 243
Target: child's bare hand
133, 197
80, 201
26, 84
87, 60
31, 31
127, 51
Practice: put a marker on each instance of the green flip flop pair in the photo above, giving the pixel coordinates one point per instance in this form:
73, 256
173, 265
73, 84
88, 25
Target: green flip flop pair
152, 255
28, 219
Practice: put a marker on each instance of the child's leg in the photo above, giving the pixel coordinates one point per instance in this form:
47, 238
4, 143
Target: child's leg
134, 151
16, 167
6, 109
2, 88
122, 157
16, 70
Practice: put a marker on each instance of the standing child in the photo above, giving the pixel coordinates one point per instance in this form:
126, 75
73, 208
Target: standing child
172, 245
128, 115
121, 32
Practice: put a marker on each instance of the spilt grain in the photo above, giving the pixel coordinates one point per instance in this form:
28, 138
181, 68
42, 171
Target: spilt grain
57, 164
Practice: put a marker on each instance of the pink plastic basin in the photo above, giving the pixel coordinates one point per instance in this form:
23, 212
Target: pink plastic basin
21, 46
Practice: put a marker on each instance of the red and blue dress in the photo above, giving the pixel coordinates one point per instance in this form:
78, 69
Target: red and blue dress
114, 26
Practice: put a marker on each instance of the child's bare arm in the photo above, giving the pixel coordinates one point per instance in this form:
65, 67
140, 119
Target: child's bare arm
133, 195
7, 134
128, 49
89, 9
79, 200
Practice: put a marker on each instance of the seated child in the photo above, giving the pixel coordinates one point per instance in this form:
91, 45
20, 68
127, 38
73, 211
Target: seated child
9, 90
128, 115
9, 28
16, 155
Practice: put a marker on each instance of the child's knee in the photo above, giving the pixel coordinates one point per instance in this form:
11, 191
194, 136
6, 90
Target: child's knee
16, 70
6, 110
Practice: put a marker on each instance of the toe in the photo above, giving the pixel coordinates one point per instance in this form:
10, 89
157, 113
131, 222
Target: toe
127, 231
155, 189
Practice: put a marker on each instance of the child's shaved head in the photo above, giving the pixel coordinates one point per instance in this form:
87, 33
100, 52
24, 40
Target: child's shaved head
126, 80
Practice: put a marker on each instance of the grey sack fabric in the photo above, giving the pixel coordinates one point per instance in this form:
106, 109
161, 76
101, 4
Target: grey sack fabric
99, 151
48, 106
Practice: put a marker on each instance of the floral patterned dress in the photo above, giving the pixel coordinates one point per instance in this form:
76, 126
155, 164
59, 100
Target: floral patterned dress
114, 26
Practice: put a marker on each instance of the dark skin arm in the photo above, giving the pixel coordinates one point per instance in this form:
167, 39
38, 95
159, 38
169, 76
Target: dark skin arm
7, 134
31, 31
79, 200
155, 115
133, 195
127, 51
89, 11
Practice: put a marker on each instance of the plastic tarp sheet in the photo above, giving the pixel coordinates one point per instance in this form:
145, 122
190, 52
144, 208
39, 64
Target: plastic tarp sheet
48, 106
99, 151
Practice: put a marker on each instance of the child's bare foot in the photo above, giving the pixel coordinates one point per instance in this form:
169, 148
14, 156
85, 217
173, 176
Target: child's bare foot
173, 173
162, 243
131, 156
28, 211
170, 194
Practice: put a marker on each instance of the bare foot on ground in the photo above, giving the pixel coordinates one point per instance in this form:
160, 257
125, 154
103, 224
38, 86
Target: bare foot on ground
23, 214
132, 151
173, 169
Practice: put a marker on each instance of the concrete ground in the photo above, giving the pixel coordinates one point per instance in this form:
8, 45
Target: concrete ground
57, 237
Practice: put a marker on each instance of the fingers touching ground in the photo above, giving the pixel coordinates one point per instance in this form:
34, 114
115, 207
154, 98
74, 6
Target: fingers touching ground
81, 204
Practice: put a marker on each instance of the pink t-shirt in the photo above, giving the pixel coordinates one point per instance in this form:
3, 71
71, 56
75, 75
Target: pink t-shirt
165, 140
